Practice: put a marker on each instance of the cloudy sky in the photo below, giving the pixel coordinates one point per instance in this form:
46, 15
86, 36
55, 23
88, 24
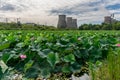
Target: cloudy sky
47, 11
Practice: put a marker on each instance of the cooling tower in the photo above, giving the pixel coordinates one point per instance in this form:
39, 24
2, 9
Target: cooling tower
74, 23
69, 22
62, 21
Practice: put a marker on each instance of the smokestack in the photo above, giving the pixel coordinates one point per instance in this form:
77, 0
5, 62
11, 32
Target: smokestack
69, 22
74, 23
62, 21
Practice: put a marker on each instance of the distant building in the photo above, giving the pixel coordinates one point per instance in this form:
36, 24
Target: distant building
109, 19
62, 21
74, 23
68, 22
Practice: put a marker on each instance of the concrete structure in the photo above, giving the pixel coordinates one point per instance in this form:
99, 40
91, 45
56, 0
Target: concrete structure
74, 23
69, 22
107, 19
62, 21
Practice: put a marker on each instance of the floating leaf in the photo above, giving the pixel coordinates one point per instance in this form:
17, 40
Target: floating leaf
3, 66
45, 73
66, 69
69, 58
4, 46
20, 45
53, 58
28, 65
44, 53
6, 57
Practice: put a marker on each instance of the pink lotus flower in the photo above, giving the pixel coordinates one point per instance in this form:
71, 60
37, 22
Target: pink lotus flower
22, 56
118, 45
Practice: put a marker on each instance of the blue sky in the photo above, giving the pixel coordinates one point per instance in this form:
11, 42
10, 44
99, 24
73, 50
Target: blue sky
113, 7
47, 11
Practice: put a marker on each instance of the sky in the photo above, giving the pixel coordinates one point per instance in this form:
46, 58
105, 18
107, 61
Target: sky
47, 11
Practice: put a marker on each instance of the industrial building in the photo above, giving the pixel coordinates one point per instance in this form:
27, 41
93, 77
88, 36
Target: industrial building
109, 19
74, 23
62, 21
67, 23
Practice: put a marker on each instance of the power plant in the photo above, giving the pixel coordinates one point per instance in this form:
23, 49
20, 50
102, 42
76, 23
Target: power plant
109, 19
62, 21
67, 23
74, 23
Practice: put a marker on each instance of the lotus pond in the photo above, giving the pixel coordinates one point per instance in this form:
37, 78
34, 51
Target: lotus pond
42, 54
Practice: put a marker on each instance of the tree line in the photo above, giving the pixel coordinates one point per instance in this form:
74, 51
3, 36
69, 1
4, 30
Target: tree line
103, 26
33, 26
24, 26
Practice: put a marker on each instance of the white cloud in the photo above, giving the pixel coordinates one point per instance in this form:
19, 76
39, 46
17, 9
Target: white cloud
85, 11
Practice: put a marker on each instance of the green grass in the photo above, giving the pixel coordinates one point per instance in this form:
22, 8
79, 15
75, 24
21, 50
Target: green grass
110, 68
